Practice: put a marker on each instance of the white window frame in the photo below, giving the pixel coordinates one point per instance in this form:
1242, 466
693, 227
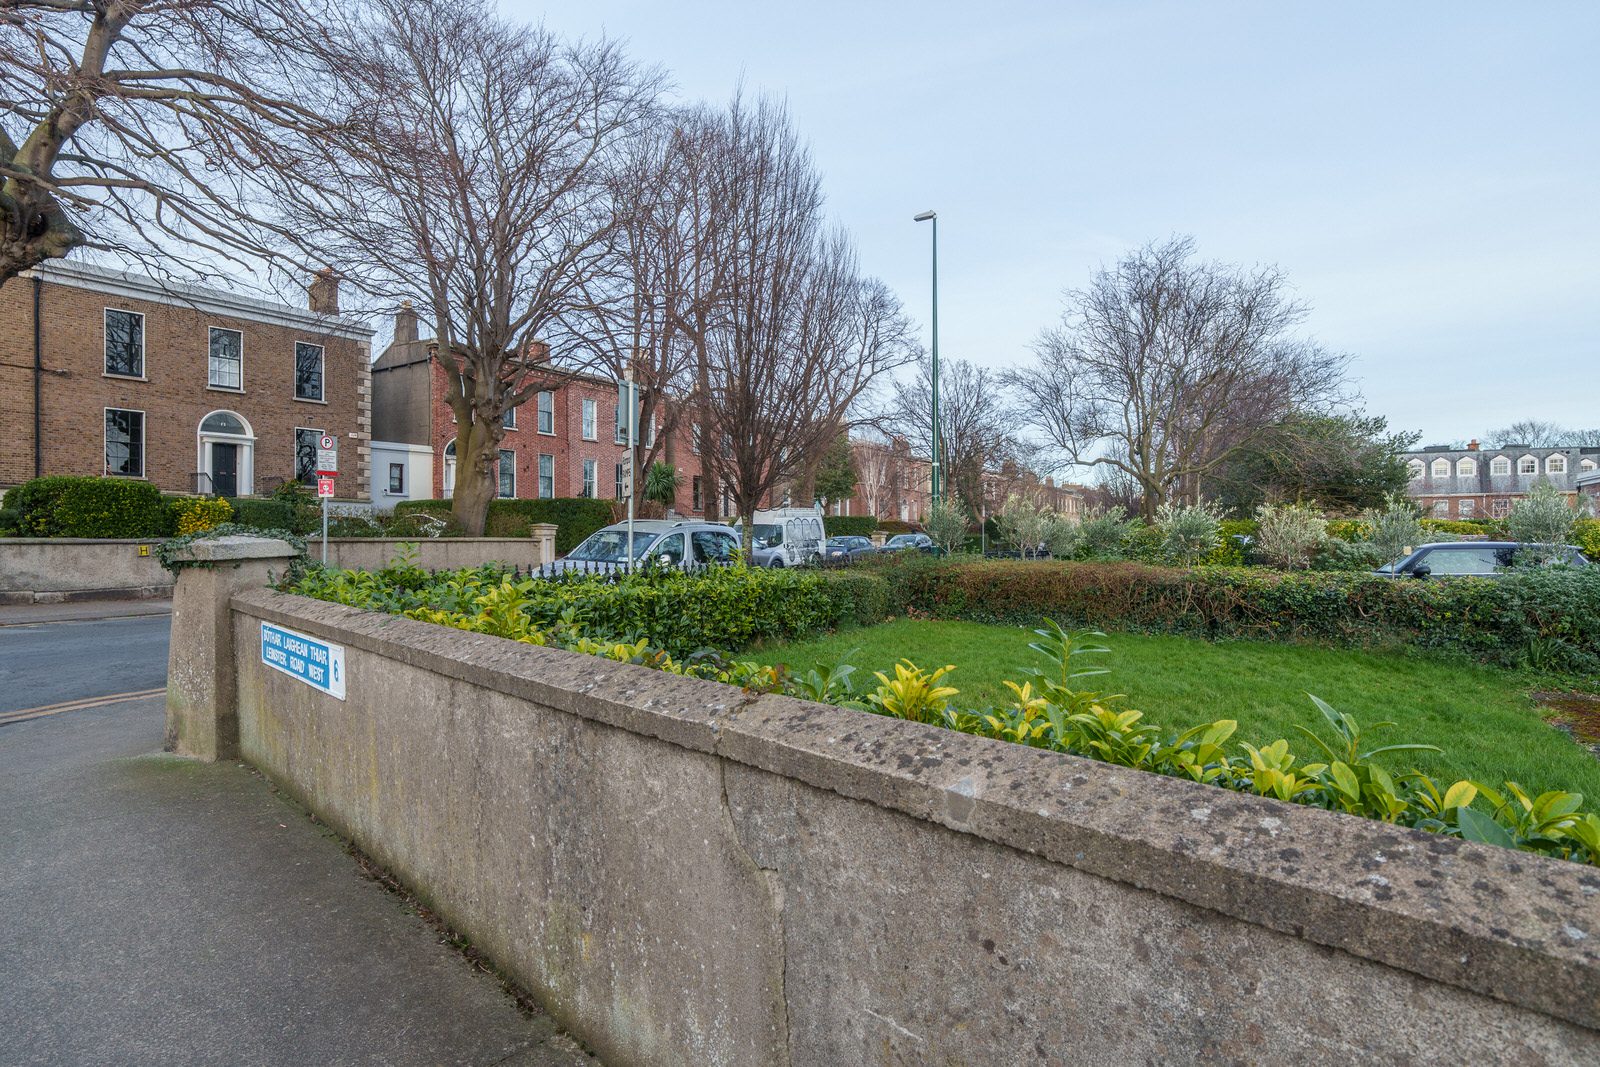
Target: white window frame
211, 384
1466, 467
1500, 467
620, 476
1555, 464
541, 399
1416, 469
105, 442
591, 421
447, 469
1534, 460
546, 459
105, 340
591, 477
508, 419
499, 469
1586, 465
322, 371
1437, 464
1466, 507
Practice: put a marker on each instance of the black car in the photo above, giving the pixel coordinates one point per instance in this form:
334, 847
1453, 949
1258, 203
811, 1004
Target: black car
1482, 559
847, 548
920, 542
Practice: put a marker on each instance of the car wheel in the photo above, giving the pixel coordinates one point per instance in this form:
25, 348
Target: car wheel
776, 564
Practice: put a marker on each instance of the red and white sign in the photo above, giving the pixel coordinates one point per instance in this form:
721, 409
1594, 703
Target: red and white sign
324, 486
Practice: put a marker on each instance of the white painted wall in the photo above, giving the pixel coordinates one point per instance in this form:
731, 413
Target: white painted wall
417, 463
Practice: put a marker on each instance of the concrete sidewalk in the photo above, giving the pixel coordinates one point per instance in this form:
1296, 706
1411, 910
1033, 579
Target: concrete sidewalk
80, 611
161, 911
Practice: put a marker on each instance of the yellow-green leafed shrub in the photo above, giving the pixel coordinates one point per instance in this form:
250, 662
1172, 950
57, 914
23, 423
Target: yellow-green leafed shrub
196, 514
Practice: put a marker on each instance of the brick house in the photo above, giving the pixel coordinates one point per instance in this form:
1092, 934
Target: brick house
1475, 483
562, 442
192, 389
893, 483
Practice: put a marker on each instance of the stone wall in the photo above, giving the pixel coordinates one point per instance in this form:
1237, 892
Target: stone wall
685, 874
40, 570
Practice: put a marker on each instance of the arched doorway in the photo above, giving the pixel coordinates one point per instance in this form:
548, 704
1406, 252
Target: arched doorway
448, 487
227, 448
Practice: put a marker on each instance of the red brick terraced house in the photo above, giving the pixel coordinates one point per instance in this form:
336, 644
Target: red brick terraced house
562, 442
191, 389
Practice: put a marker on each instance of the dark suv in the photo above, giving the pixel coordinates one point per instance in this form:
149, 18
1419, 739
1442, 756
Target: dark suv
1482, 559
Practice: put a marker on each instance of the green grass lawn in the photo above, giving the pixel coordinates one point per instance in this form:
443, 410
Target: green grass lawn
1481, 717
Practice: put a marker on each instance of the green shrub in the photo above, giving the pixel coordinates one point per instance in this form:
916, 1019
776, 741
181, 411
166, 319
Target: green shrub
1105, 534
199, 513
10, 522
897, 526
1338, 555
1586, 535
724, 608
265, 514
1542, 518
1189, 533
1288, 535
66, 506
575, 517
1460, 527
1543, 617
849, 525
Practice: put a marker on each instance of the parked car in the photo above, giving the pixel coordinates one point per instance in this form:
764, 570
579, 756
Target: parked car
920, 542
1483, 559
787, 537
847, 548
662, 542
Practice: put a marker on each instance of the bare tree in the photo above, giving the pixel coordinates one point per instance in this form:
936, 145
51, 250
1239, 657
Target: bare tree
1537, 433
874, 470
127, 125
976, 426
476, 181
1165, 366
802, 335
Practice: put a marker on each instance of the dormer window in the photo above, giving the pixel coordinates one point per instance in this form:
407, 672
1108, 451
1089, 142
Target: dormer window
1555, 464
1499, 466
1527, 465
1415, 468
1441, 468
1587, 464
1466, 468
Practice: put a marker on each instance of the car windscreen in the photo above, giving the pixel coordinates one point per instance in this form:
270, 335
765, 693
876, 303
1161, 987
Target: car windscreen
767, 534
608, 546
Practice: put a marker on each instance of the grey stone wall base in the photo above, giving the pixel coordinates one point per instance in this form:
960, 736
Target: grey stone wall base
686, 873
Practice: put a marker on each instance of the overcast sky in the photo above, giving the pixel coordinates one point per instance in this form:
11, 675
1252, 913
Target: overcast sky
1425, 173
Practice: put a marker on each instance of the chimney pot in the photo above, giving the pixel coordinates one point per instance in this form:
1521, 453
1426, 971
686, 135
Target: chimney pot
1472, 445
324, 292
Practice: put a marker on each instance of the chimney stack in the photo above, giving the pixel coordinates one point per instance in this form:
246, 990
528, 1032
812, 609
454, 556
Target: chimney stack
1472, 445
405, 324
324, 292
537, 352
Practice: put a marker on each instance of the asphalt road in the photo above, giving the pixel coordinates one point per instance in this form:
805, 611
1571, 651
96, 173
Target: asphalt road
48, 664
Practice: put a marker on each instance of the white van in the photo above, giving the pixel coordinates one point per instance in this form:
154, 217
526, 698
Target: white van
787, 537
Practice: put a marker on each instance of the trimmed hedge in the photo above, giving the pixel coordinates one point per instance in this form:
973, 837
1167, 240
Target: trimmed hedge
849, 525
897, 526
68, 506
575, 517
1545, 618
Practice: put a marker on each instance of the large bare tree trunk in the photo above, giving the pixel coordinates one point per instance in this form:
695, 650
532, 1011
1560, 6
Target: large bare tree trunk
477, 458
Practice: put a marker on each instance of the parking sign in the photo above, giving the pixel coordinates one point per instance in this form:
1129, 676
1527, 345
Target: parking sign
328, 455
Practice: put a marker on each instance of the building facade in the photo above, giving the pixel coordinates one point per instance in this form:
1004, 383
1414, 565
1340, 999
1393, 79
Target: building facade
1478, 483
194, 390
564, 441
893, 483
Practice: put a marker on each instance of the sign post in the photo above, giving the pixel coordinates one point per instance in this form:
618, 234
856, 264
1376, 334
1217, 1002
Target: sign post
327, 467
628, 403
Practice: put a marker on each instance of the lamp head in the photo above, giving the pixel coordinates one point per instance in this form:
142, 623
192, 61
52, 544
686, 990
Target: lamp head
925, 216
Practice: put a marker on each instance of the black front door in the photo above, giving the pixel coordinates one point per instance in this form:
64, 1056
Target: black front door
224, 469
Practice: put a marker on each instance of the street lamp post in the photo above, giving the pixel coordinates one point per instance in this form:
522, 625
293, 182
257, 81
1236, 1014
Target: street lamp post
933, 217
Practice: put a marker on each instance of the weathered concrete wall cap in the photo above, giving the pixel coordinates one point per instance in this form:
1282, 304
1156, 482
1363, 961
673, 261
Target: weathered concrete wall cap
217, 549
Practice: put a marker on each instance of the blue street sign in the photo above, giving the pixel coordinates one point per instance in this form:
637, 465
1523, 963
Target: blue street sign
315, 662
